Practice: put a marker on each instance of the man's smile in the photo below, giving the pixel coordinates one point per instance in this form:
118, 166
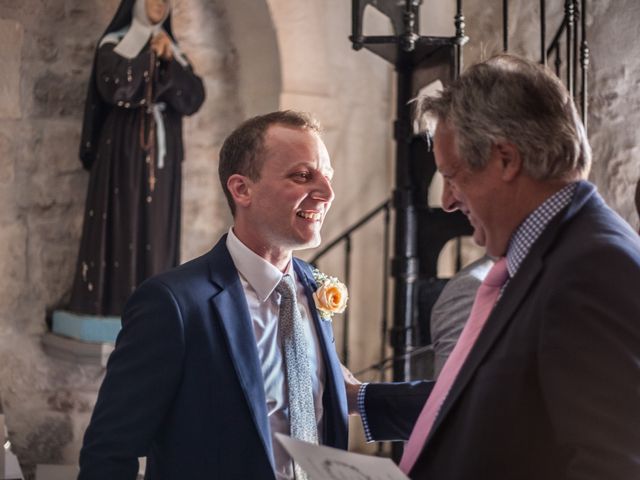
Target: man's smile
309, 215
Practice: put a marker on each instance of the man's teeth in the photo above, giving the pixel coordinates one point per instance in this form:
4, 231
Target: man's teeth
309, 216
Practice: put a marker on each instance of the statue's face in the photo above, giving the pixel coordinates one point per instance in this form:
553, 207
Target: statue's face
156, 9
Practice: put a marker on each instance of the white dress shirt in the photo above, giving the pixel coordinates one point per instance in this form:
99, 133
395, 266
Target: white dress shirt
259, 279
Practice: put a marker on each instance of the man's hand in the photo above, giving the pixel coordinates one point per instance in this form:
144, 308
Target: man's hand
352, 384
161, 45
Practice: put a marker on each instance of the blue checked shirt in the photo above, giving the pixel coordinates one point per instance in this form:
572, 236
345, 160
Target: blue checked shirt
519, 246
533, 226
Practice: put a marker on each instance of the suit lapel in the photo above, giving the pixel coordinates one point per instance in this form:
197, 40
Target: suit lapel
499, 318
231, 305
334, 397
513, 295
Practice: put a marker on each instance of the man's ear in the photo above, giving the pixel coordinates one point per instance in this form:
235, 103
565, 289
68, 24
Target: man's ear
509, 159
240, 188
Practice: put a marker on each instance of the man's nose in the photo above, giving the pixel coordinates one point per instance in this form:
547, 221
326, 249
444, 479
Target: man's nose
449, 201
324, 190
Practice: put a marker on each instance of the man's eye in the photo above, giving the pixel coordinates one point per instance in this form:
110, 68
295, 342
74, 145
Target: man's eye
302, 176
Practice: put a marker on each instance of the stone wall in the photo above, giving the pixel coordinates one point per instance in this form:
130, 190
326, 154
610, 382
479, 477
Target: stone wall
613, 71
46, 50
615, 104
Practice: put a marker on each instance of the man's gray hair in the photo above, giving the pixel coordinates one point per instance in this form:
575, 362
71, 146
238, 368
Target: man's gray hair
510, 99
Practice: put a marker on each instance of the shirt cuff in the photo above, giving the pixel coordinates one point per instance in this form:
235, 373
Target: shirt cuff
363, 414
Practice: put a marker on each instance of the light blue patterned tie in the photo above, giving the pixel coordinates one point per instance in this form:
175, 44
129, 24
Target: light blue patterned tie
302, 418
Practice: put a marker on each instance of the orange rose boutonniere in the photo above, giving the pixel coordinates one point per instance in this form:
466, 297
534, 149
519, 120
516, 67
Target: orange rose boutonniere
331, 295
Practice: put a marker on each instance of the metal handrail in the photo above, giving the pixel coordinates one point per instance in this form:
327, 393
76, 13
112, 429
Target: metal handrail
345, 238
556, 39
572, 26
340, 238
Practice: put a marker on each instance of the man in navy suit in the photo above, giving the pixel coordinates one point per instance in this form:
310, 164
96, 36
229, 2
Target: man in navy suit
196, 382
550, 389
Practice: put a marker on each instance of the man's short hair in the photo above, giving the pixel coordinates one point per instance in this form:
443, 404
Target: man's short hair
243, 150
511, 99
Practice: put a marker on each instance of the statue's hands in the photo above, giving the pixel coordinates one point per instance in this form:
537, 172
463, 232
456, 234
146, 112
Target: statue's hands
352, 385
161, 45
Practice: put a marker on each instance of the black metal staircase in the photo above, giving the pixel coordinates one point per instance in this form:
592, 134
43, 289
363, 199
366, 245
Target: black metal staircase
420, 231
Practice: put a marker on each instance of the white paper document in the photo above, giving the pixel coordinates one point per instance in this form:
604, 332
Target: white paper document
326, 463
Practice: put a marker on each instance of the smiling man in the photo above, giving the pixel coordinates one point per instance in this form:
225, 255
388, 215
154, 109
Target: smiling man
219, 354
543, 383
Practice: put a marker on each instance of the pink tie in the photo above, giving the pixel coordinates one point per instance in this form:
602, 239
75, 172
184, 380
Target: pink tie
486, 298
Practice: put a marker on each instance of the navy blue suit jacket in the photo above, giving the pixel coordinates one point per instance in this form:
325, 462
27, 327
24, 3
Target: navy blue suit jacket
184, 385
551, 389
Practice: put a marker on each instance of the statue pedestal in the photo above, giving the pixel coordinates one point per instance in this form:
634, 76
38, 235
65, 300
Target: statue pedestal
83, 339
76, 351
87, 328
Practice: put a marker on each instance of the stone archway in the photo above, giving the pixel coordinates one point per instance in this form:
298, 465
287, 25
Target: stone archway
234, 48
252, 32
241, 75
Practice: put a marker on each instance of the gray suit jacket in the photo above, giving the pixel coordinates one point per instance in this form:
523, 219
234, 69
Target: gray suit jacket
451, 310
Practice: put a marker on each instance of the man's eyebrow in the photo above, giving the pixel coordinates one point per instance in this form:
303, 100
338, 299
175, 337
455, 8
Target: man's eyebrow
313, 166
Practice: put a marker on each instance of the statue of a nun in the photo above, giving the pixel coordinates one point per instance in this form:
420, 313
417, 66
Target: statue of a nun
141, 86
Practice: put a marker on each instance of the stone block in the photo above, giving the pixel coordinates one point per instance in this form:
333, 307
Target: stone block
56, 472
44, 189
14, 5
46, 439
76, 352
47, 48
65, 135
13, 267
30, 10
59, 94
7, 167
52, 252
11, 38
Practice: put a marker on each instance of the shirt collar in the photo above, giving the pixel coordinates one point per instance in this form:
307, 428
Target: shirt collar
533, 226
261, 275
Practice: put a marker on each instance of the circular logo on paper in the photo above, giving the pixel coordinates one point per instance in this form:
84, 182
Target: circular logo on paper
343, 471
